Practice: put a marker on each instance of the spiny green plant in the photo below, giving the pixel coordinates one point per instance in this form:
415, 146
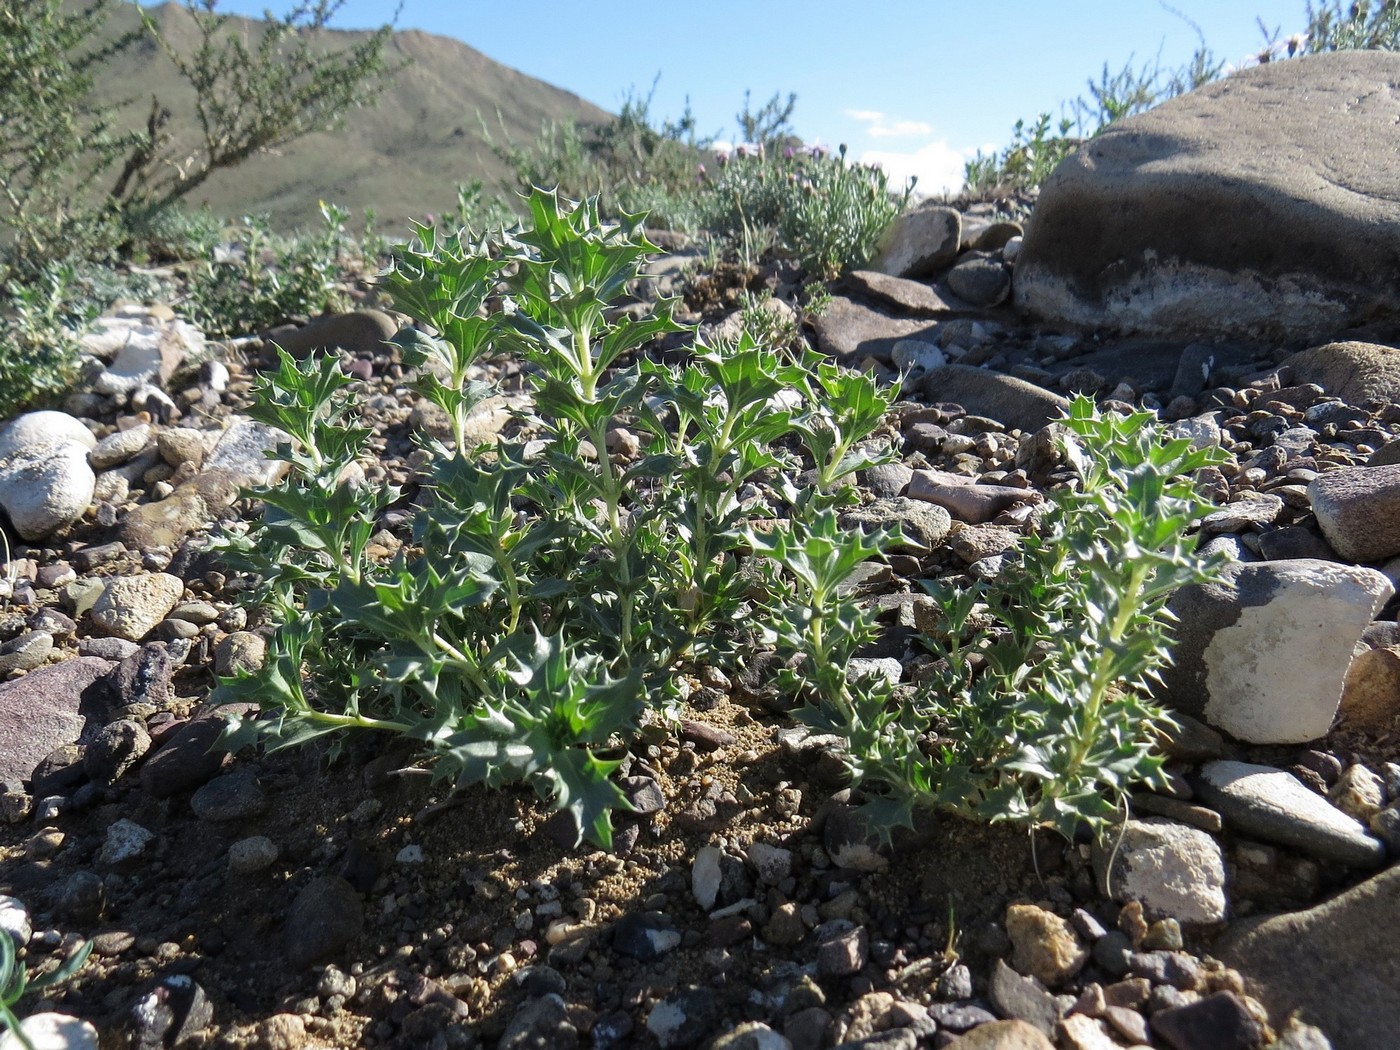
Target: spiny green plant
1057, 726
550, 588
16, 981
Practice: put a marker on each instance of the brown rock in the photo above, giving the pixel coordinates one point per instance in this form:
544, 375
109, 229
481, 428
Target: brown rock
1371, 693
1003, 1035
1044, 945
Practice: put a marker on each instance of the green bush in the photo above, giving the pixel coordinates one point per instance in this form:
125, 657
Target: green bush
1038, 710
548, 592
261, 280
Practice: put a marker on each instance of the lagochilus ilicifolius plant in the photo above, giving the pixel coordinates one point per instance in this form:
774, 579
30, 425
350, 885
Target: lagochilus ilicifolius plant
1051, 724
550, 588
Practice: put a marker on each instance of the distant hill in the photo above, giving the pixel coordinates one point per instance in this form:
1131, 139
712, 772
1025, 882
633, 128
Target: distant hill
402, 157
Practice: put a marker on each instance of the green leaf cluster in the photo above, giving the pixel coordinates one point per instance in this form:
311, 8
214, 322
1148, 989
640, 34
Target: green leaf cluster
550, 588
1038, 712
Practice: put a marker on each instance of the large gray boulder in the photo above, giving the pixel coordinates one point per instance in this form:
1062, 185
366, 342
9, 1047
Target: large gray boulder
1336, 965
1263, 206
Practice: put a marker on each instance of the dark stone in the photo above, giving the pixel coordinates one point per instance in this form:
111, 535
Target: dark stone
116, 748
186, 760
1023, 999
644, 936
65, 703
173, 1010
325, 917
145, 677
1217, 1022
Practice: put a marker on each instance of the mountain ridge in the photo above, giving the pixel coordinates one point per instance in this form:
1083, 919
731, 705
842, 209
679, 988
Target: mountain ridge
402, 157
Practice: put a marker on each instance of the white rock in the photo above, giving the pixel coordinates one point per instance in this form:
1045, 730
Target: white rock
52, 1031
119, 447
14, 920
131, 605
45, 488
1176, 871
705, 876
39, 429
241, 450
911, 355
126, 840
1265, 659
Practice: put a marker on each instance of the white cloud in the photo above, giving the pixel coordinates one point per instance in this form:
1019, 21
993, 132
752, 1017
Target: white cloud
901, 129
882, 126
938, 166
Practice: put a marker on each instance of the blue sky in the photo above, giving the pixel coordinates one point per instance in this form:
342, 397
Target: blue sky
917, 85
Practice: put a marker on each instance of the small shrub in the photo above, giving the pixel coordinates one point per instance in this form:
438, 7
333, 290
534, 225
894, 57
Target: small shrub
549, 592
1056, 728
261, 280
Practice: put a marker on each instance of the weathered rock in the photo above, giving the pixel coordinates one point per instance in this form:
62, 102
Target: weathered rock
1264, 660
43, 428
963, 499
187, 758
359, 332
1217, 1022
240, 456
912, 297
1175, 871
1359, 511
921, 242
923, 525
1013, 402
1354, 372
43, 488
119, 446
325, 916
1169, 221
1002, 1035
1272, 805
980, 281
1022, 998
1371, 693
46, 709
131, 605
851, 331
1045, 946
164, 523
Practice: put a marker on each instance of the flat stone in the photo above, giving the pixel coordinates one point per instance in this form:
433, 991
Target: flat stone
852, 331
965, 500
1358, 509
1217, 1022
923, 524
46, 709
1175, 871
1265, 659
1022, 998
921, 242
1272, 805
1168, 222
1016, 404
357, 331
1355, 372
166, 522
1002, 1035
131, 606
912, 297
1336, 964
240, 454
186, 759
